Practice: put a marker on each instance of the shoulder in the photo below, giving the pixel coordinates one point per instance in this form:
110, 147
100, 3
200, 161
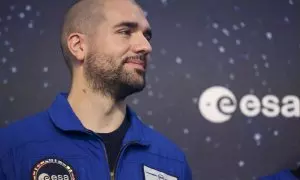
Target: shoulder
22, 131
162, 145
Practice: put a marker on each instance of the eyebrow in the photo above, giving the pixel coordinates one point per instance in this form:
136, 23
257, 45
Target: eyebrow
129, 24
132, 25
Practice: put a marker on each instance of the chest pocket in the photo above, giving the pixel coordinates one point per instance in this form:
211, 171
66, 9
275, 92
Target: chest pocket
53, 168
49, 161
149, 166
59, 168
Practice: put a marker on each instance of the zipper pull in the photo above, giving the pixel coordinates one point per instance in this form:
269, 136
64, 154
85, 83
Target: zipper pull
112, 175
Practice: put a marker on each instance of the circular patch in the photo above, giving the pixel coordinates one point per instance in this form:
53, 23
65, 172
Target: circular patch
52, 169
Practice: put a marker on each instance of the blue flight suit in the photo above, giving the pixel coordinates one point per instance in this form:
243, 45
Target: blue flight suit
54, 145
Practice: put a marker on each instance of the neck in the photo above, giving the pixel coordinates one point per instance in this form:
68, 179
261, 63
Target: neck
98, 113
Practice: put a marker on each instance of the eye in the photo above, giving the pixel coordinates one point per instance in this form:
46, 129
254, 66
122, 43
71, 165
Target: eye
126, 32
148, 35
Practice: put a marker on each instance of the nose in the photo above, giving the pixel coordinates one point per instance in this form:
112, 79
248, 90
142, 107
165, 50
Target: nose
141, 44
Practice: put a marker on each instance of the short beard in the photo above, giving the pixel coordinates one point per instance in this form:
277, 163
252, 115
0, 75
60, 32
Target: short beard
106, 77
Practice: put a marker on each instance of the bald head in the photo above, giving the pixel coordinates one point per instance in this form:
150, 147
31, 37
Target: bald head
106, 44
82, 18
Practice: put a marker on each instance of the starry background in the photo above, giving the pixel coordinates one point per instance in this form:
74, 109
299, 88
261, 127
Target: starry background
248, 46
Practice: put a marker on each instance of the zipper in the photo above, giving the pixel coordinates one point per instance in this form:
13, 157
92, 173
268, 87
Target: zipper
103, 146
113, 174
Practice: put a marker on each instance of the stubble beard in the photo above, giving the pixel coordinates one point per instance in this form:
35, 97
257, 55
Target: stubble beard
108, 76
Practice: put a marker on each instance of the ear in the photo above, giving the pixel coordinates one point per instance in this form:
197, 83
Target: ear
77, 45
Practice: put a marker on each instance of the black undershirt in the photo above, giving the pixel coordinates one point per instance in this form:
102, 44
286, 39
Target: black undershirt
113, 142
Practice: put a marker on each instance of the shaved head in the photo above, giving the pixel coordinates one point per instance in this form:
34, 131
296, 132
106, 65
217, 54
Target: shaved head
106, 44
82, 18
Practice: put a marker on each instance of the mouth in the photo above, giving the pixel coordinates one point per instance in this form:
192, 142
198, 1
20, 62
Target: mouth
136, 63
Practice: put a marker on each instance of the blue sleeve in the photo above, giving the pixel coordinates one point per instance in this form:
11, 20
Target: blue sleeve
2, 175
187, 171
4, 146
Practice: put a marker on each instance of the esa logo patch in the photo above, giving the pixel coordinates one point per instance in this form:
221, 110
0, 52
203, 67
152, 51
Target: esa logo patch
52, 169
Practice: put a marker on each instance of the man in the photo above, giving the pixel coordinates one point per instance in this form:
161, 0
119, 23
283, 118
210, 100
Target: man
90, 133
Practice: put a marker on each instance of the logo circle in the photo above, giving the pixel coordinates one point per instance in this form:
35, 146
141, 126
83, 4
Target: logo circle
52, 169
217, 104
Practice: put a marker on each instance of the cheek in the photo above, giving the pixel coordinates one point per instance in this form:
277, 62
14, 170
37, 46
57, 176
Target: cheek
118, 45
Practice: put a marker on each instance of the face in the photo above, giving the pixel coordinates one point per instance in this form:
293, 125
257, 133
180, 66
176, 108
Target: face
118, 52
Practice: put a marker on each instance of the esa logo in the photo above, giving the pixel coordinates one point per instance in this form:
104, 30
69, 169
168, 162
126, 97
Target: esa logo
45, 176
52, 169
217, 104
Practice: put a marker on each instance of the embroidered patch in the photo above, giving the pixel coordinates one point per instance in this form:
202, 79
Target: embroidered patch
153, 174
52, 169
